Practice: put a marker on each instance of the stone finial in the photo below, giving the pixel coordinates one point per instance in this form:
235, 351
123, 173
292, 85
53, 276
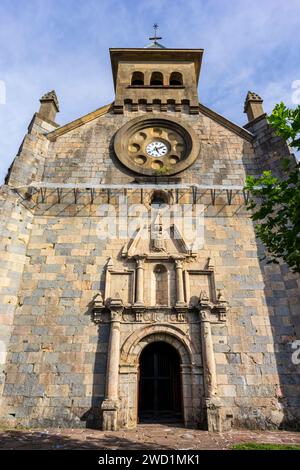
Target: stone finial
98, 301
221, 297
210, 264
203, 297
253, 106
98, 308
221, 306
115, 300
109, 264
49, 105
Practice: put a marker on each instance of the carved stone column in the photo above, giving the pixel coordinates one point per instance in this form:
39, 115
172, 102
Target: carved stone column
179, 283
139, 281
214, 419
110, 405
208, 356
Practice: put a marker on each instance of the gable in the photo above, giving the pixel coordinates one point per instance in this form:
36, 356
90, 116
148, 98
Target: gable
79, 122
222, 121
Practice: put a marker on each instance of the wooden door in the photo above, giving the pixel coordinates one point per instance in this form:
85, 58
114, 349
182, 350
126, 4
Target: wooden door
159, 384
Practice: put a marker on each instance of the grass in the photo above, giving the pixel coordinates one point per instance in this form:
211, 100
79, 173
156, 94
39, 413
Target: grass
257, 446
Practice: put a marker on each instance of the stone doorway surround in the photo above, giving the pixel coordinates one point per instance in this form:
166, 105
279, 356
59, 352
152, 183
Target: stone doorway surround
186, 327
184, 323
190, 369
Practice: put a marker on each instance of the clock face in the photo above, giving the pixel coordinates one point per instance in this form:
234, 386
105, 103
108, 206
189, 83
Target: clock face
157, 148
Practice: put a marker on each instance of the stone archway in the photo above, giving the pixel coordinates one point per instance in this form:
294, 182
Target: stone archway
190, 368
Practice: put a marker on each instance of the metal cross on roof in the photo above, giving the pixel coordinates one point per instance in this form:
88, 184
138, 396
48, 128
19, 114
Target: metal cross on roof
155, 38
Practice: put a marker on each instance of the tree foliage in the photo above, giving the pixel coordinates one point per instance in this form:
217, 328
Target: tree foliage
275, 202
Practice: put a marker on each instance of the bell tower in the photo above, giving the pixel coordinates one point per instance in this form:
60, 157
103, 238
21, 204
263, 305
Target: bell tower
156, 77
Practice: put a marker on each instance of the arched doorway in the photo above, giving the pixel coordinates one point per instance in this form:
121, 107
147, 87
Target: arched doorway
160, 394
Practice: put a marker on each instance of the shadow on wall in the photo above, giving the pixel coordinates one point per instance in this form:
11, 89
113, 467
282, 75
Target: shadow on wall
272, 361
93, 416
280, 286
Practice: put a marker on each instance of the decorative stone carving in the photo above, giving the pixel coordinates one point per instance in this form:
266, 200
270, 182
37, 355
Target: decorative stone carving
157, 246
180, 317
203, 297
221, 307
214, 414
109, 410
98, 308
179, 284
208, 355
128, 317
213, 311
111, 403
204, 315
98, 301
131, 143
147, 317
138, 313
158, 243
139, 280
138, 316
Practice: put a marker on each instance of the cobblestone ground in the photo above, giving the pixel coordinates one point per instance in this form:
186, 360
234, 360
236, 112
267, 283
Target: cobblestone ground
149, 437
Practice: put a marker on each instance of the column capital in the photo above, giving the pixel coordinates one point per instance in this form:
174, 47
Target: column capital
205, 306
116, 315
140, 260
116, 307
205, 315
178, 263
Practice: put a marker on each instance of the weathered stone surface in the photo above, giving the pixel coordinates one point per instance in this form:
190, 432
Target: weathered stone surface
53, 266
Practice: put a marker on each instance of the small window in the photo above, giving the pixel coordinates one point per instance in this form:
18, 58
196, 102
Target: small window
159, 198
176, 78
157, 78
137, 78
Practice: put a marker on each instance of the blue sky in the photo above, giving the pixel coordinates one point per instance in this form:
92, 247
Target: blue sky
63, 44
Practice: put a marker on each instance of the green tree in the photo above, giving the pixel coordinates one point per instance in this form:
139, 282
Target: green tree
275, 202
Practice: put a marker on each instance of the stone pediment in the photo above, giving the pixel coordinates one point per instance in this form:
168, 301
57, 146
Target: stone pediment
156, 244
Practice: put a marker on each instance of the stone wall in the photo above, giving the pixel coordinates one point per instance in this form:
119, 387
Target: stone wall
282, 287
29, 163
15, 229
57, 360
56, 363
86, 154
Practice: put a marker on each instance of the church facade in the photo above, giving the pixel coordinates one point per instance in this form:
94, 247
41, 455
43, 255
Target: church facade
114, 309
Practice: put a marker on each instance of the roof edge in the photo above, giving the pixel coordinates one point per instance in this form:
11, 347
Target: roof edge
226, 123
79, 122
